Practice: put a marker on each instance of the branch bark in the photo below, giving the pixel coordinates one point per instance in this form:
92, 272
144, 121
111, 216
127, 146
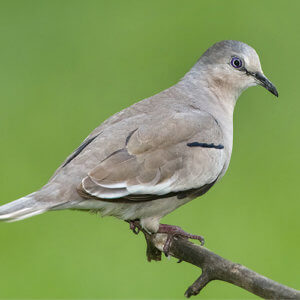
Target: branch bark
214, 267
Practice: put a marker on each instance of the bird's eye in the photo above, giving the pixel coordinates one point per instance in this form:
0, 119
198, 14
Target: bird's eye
236, 62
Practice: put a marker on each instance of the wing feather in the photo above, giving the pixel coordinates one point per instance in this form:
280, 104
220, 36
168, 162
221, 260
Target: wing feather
155, 162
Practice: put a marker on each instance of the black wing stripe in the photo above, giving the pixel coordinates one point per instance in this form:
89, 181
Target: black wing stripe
205, 145
79, 149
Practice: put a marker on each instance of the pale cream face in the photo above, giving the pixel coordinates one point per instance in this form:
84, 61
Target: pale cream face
232, 66
251, 64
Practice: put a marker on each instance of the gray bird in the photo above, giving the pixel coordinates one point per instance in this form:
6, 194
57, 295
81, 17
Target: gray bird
158, 154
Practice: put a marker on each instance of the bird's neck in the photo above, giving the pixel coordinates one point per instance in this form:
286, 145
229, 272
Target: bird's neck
213, 95
210, 92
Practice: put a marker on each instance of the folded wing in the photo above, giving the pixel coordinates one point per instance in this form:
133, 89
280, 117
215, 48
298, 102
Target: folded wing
156, 162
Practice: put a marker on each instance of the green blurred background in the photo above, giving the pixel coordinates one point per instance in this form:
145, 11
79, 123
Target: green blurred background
65, 66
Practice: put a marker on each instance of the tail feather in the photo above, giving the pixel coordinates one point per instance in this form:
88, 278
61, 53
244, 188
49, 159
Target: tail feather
22, 208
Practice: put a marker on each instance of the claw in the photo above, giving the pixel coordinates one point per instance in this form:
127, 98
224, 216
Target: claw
173, 231
135, 226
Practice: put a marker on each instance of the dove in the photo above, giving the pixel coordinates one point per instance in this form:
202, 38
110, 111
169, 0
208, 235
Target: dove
158, 154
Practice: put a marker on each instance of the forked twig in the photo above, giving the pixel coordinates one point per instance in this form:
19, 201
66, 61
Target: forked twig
214, 267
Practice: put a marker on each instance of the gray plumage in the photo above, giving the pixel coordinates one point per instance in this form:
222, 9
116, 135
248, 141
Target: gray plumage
158, 154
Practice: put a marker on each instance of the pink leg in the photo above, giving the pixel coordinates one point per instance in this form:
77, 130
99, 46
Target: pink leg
135, 226
172, 231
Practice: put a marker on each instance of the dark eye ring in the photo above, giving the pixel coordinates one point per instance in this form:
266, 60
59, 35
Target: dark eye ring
236, 62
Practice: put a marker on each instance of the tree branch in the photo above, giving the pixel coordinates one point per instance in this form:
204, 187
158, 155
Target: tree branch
214, 267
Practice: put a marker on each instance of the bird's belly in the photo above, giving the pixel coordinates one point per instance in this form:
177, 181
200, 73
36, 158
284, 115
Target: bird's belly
136, 210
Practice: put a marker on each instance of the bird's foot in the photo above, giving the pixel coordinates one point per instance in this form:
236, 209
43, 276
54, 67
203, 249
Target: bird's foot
135, 226
152, 252
173, 231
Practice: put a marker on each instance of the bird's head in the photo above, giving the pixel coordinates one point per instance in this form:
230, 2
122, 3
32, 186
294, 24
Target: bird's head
233, 66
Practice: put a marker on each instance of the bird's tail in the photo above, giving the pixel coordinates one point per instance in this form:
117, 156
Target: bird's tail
24, 207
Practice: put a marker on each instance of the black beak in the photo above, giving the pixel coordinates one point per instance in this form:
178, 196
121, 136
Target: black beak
266, 83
